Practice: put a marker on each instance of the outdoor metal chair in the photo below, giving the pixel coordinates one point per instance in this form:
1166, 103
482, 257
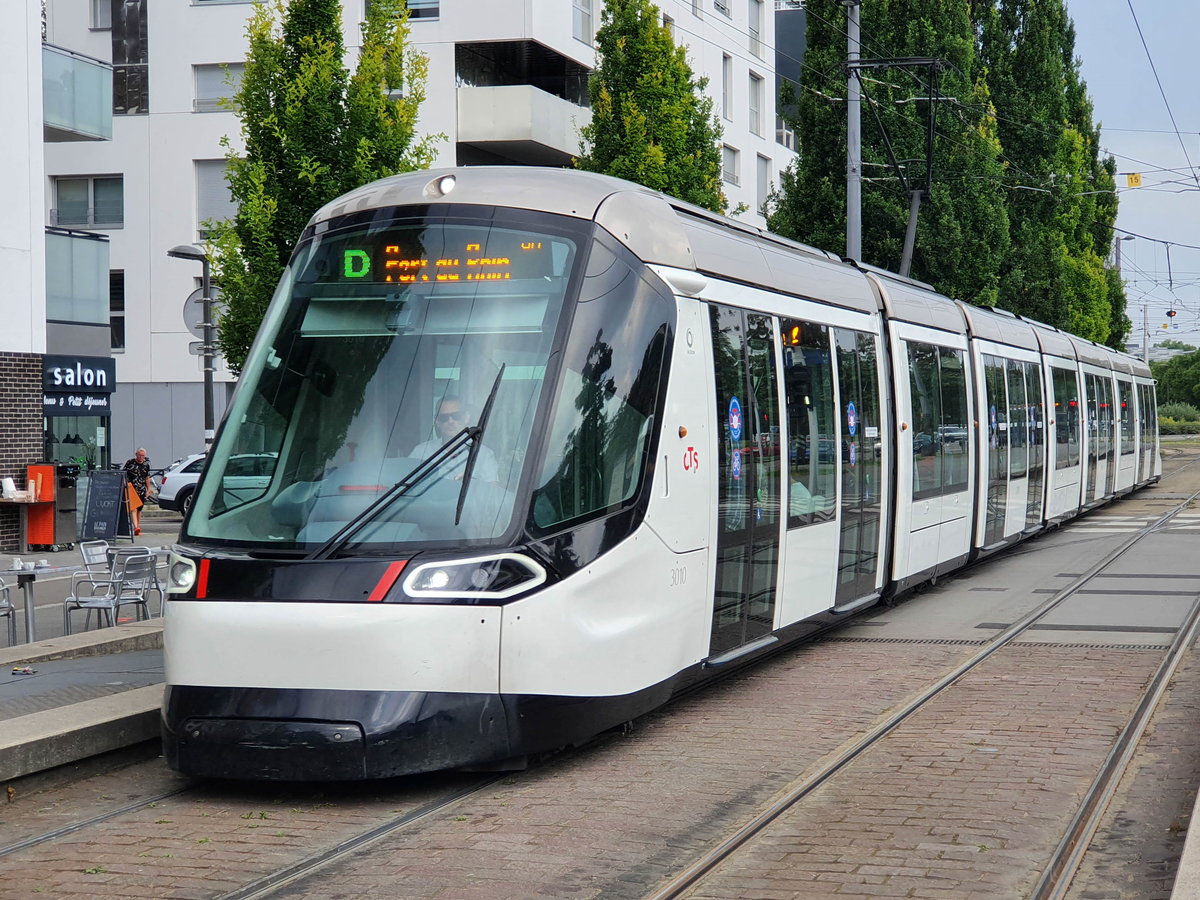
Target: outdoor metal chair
8, 611
95, 555
132, 577
154, 586
96, 571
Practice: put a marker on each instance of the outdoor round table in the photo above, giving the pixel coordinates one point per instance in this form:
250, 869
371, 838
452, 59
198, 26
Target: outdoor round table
26, 579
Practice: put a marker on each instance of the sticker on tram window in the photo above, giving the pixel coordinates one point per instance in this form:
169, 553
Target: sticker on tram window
851, 418
853, 453
735, 419
736, 464
871, 431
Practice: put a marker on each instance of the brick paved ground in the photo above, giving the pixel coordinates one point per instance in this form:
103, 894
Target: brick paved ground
965, 800
609, 821
1136, 851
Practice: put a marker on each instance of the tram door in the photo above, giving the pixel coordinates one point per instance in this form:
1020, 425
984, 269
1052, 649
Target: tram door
998, 434
749, 477
858, 381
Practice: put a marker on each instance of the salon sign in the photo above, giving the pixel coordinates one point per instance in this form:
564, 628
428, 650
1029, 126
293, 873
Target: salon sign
78, 385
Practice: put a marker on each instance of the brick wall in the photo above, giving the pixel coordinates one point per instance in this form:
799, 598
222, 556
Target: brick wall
20, 430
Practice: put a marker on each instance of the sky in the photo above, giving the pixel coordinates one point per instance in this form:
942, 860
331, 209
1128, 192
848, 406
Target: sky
1138, 132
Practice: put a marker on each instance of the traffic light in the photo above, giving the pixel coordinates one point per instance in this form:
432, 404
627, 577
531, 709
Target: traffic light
1171, 313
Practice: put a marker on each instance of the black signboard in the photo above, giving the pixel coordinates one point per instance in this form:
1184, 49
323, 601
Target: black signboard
78, 385
107, 514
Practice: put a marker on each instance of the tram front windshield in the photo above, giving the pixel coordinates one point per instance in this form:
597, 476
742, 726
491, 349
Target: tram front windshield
386, 339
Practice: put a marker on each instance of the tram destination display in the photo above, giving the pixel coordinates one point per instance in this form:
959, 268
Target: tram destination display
106, 515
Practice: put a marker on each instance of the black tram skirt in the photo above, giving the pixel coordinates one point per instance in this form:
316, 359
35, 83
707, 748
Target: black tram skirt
273, 734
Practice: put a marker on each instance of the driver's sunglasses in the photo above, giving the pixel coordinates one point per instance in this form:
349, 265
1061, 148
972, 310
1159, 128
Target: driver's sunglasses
446, 417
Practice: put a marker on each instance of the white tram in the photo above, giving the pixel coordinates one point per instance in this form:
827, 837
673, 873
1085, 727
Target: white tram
545, 447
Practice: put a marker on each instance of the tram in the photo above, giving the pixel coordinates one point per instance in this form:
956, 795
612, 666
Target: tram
536, 449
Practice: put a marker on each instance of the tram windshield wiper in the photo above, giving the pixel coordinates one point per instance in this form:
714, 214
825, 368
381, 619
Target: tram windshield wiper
476, 442
417, 474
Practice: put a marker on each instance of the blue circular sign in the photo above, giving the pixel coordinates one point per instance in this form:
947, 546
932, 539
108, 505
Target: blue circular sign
735, 419
851, 418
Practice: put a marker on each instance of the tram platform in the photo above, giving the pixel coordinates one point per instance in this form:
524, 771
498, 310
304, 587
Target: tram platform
65, 698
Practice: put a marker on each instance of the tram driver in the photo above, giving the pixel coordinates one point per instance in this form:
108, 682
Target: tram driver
450, 419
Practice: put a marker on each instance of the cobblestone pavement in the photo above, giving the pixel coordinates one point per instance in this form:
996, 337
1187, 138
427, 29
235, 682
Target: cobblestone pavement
964, 800
1136, 851
608, 821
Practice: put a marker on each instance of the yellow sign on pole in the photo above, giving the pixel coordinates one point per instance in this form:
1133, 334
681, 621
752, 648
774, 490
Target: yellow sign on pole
1134, 179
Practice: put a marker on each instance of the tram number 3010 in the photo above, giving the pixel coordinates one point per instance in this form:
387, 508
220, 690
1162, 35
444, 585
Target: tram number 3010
678, 576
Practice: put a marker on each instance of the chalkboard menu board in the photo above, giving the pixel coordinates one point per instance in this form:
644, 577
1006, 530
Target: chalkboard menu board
107, 514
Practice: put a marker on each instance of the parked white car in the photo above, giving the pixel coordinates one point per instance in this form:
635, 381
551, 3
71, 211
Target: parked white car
247, 474
177, 482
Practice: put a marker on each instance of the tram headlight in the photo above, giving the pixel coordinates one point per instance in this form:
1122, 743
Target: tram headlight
479, 578
181, 574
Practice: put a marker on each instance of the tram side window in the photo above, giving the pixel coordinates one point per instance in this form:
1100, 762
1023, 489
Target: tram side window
1092, 385
956, 427
613, 370
1018, 420
1125, 395
1066, 417
813, 457
940, 426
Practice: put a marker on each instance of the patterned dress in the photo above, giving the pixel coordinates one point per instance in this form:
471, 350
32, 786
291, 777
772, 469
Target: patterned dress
138, 474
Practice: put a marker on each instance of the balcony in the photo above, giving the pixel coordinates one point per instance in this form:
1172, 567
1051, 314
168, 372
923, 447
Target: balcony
76, 277
521, 124
76, 97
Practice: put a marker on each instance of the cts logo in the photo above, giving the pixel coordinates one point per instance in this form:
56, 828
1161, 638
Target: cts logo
691, 460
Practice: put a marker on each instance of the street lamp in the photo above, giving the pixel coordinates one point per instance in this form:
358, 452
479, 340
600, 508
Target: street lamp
208, 350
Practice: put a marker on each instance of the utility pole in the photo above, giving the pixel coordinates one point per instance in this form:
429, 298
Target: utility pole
853, 134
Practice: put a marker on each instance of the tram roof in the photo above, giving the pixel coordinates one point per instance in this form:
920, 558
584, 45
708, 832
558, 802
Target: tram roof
657, 228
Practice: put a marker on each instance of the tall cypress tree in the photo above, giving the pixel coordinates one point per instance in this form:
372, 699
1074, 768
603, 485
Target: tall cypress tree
651, 122
962, 232
1062, 201
312, 131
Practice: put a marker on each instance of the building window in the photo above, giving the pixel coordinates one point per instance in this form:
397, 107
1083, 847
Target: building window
581, 20
91, 202
423, 10
669, 24
764, 183
722, 6
698, 8
214, 83
214, 202
131, 76
116, 307
726, 86
783, 134
729, 164
101, 15
754, 27
756, 99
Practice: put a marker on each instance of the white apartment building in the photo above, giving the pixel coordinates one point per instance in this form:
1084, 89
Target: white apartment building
507, 85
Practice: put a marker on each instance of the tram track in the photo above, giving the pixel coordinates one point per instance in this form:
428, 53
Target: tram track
323, 847
1055, 879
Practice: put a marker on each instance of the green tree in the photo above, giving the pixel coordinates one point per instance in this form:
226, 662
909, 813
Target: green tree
1063, 201
962, 233
1178, 379
312, 131
651, 122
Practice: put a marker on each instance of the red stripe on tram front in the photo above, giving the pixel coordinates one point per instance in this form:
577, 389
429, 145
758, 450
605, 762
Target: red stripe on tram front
202, 580
386, 582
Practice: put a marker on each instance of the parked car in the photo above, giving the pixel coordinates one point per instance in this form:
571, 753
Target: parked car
246, 476
177, 482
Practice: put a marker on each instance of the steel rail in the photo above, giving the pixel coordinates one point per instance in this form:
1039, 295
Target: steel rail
695, 872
